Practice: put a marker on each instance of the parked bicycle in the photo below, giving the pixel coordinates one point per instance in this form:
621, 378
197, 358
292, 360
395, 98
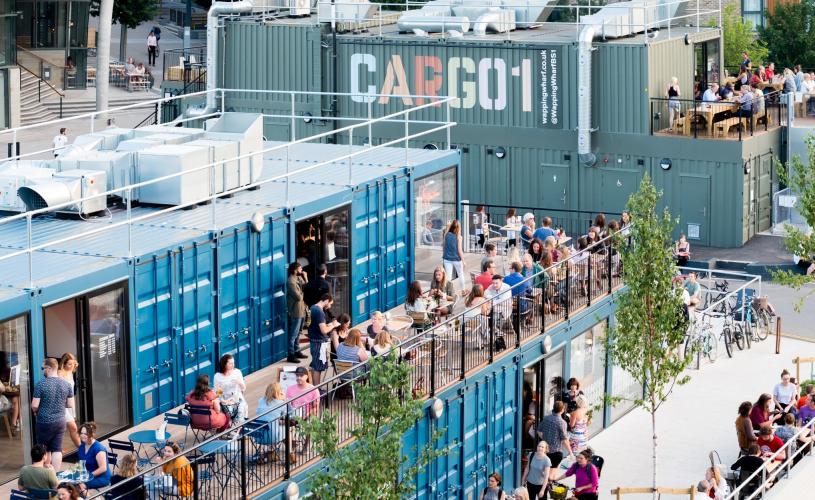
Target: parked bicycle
701, 339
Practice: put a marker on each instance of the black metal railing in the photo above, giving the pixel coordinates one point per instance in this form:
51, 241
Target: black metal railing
181, 65
719, 119
270, 447
574, 223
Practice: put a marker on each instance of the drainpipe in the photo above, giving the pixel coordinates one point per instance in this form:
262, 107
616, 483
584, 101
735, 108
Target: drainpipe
217, 9
335, 71
584, 49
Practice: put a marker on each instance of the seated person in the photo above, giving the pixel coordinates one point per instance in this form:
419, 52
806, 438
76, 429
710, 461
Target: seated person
415, 305
490, 252
714, 485
202, 397
747, 465
809, 390
515, 280
785, 394
306, 397
95, 456
501, 295
37, 475
427, 234
382, 344
133, 489
487, 271
769, 443
682, 251
726, 92
807, 412
178, 469
130, 66
746, 101
352, 349
338, 334
712, 94
789, 430
272, 409
442, 289
693, 289
377, 325
760, 415
744, 427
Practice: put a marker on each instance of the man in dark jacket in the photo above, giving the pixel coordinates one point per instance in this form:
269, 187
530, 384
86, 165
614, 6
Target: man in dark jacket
296, 309
316, 288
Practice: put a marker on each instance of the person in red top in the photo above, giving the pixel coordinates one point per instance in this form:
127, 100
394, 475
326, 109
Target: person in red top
808, 390
485, 278
202, 397
769, 443
760, 415
769, 72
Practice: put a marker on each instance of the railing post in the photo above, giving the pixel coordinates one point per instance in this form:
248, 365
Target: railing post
568, 294
350, 158
129, 224
213, 215
293, 123
516, 320
370, 124
589, 281
463, 361
196, 483
693, 121
406, 137
287, 447
608, 268
432, 363
30, 253
244, 465
448, 125
493, 312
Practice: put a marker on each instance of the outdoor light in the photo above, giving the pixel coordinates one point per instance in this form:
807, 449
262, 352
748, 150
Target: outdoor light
500, 152
547, 344
307, 117
431, 147
747, 167
665, 164
257, 222
437, 408
292, 491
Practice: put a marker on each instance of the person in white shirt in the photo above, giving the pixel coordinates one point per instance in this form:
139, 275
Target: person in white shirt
152, 46
501, 293
230, 385
711, 94
60, 141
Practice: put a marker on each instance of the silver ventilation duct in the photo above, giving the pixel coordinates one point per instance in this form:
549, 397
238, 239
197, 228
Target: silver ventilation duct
498, 16
65, 188
217, 9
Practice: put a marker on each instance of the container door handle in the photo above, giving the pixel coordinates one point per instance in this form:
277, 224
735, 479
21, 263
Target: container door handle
203, 348
190, 353
153, 369
245, 330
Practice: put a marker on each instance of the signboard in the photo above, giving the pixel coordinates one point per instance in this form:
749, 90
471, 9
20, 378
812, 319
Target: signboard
515, 87
693, 231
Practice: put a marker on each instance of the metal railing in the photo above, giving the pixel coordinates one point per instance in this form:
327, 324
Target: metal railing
644, 19
715, 120
127, 219
574, 223
754, 485
786, 212
256, 454
175, 70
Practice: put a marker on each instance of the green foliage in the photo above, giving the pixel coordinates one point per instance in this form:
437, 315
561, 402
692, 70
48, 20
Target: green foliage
130, 13
789, 33
650, 330
800, 178
373, 465
739, 36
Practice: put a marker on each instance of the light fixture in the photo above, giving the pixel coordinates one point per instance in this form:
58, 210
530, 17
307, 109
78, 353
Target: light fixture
546, 346
665, 164
307, 117
431, 147
500, 152
747, 167
257, 221
292, 491
437, 408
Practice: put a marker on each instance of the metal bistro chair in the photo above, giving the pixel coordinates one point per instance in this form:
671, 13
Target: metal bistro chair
116, 445
200, 434
21, 495
181, 420
42, 493
345, 370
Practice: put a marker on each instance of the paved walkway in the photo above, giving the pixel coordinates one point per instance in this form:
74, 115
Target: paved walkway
697, 418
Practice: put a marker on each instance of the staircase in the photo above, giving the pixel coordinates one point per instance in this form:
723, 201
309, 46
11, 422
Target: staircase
31, 109
79, 106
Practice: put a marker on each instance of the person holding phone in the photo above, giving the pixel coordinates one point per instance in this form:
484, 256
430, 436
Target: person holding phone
319, 337
785, 394
296, 308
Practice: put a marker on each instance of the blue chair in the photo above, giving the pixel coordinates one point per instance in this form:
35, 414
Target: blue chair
42, 493
20, 495
200, 434
181, 420
113, 461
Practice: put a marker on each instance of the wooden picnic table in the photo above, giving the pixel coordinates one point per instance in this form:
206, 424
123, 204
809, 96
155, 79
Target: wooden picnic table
775, 86
709, 110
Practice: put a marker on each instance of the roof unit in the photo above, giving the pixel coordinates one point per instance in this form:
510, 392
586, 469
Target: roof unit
227, 173
492, 15
167, 130
247, 130
13, 178
66, 187
164, 160
119, 166
348, 11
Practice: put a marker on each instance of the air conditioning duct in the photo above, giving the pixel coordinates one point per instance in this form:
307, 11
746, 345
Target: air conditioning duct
433, 24
14, 178
67, 187
496, 20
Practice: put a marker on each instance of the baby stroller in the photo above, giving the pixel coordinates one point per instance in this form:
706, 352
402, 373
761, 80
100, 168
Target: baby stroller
558, 491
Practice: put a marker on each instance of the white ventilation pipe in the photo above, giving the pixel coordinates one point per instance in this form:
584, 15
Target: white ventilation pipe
584, 49
217, 9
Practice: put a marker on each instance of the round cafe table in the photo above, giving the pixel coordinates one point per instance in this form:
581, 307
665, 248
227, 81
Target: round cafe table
143, 441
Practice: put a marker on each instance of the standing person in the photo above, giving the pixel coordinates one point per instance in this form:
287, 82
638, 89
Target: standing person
52, 395
493, 490
674, 106
319, 337
586, 477
230, 385
297, 310
536, 475
37, 475
527, 230
545, 230
579, 424
682, 251
95, 456
552, 429
512, 221
479, 223
60, 141
152, 46
316, 288
67, 371
453, 253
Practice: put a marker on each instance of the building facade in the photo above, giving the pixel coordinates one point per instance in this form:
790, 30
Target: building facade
9, 73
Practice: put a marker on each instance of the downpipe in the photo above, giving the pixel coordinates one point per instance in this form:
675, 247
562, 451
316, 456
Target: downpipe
584, 49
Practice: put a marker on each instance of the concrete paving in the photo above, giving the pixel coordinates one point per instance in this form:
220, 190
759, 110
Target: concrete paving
696, 419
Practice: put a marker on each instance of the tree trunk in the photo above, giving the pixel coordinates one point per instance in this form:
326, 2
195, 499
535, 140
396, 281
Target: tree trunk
123, 42
103, 54
654, 457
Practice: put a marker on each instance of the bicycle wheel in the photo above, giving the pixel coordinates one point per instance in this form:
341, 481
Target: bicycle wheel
762, 324
704, 296
728, 341
688, 352
738, 336
712, 348
748, 332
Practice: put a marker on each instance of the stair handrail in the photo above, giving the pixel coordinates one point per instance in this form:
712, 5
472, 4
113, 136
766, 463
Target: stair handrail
39, 77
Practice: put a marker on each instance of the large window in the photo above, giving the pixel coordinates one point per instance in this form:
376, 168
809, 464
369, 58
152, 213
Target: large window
753, 10
436, 206
587, 364
4, 99
623, 386
7, 17
14, 374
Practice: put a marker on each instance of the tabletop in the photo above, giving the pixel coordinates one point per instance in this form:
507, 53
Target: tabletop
219, 446
147, 437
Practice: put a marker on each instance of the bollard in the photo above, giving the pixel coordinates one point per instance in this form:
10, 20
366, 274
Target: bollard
778, 334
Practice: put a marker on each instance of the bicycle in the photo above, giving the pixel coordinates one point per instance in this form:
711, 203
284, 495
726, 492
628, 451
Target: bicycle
733, 331
701, 340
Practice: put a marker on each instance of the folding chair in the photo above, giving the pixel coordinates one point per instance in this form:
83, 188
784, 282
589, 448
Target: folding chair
113, 461
345, 369
116, 445
181, 420
201, 434
20, 495
42, 493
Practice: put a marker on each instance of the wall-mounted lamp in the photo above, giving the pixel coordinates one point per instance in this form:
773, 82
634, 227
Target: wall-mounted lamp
307, 117
437, 408
257, 221
546, 346
665, 164
747, 167
500, 152
292, 491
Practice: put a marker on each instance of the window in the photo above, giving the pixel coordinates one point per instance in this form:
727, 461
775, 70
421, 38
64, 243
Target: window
4, 119
753, 11
435, 209
623, 386
587, 363
14, 373
7, 17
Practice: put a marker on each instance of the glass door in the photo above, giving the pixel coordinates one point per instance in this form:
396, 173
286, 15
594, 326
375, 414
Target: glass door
94, 328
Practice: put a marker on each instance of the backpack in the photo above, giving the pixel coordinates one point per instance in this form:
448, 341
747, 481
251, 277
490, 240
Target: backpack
500, 344
598, 461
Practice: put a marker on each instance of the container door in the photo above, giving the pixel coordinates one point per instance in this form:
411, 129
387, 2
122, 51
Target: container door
195, 317
475, 440
414, 440
272, 259
156, 391
497, 175
695, 204
395, 240
554, 186
504, 420
366, 274
617, 186
235, 297
447, 469
765, 192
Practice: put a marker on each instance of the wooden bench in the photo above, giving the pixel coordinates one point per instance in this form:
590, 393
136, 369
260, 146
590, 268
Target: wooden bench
722, 128
757, 117
682, 125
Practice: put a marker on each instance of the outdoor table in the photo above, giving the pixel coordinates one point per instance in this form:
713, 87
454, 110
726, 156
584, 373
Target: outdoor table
564, 240
72, 476
773, 86
227, 456
708, 110
140, 440
399, 323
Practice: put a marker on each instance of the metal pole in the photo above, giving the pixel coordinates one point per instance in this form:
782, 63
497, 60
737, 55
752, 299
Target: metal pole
212, 193
432, 363
370, 125
30, 254
293, 124
448, 125
350, 158
778, 335
129, 225
406, 137
244, 465
286, 462
287, 175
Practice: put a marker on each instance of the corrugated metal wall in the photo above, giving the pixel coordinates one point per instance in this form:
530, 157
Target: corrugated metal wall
667, 59
620, 88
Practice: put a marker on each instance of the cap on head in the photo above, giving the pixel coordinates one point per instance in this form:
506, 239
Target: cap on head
301, 370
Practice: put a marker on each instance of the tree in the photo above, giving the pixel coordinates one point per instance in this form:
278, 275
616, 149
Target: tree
129, 14
650, 325
739, 36
370, 466
800, 178
788, 35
